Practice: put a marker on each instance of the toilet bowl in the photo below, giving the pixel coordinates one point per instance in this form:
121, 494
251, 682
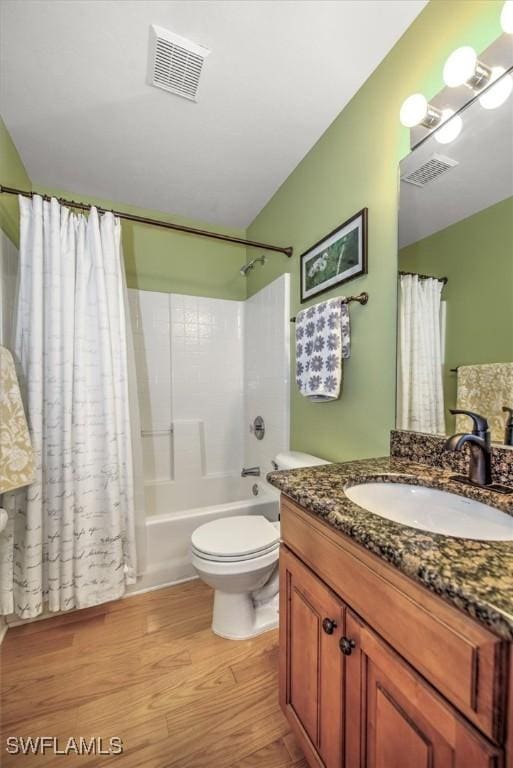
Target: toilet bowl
238, 557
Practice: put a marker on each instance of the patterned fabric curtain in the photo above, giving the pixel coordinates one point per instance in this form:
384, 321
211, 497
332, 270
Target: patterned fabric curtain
70, 539
419, 382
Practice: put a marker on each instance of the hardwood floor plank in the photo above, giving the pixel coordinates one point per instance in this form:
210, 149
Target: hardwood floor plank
292, 747
35, 645
273, 755
178, 690
60, 620
244, 736
213, 715
89, 682
247, 669
149, 670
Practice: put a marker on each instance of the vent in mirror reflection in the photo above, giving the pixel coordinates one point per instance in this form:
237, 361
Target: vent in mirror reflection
429, 170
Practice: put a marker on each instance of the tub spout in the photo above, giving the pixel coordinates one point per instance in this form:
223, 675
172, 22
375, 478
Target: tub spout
250, 472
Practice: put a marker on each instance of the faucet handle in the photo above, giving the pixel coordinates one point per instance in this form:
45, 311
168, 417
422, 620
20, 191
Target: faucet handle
480, 427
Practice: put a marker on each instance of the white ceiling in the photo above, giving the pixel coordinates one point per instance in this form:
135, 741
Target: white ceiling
483, 176
75, 100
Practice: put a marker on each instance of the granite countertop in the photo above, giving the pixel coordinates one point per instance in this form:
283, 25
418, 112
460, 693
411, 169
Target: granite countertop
475, 576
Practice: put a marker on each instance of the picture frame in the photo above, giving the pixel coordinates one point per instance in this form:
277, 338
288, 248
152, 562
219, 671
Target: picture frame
337, 258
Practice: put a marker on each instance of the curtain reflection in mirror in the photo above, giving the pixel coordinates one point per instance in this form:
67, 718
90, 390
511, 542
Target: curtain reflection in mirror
420, 405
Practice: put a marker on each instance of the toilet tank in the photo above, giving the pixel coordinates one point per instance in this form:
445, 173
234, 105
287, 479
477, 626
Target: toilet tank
296, 460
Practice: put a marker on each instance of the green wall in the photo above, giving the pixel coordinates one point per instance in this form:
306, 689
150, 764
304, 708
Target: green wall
12, 174
355, 164
156, 259
476, 255
162, 260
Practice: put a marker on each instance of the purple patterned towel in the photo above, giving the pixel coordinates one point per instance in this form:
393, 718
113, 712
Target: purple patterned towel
323, 340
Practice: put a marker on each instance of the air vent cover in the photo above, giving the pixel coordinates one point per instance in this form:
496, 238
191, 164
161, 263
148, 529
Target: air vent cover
429, 171
175, 64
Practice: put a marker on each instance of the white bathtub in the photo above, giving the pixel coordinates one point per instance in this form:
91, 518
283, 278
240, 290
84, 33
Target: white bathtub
169, 530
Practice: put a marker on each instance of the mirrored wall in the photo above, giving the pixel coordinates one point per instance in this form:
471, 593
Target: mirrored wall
455, 323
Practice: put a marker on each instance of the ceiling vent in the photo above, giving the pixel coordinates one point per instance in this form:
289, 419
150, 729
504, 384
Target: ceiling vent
429, 171
175, 64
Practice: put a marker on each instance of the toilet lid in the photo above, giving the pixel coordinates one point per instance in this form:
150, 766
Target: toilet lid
235, 537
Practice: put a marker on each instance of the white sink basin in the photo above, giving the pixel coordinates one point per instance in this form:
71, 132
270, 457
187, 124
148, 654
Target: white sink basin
431, 510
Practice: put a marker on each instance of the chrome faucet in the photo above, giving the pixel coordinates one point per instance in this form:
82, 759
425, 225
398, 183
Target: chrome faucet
480, 468
250, 471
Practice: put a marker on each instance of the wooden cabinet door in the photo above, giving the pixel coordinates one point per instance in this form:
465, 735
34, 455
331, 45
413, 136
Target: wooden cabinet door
394, 719
311, 663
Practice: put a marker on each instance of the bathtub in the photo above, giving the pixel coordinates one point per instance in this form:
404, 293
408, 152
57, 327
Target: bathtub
170, 523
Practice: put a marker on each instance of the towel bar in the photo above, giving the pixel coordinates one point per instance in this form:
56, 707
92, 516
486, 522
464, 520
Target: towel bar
362, 299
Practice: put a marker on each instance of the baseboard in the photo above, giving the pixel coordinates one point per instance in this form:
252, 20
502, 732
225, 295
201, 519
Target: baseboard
163, 575
145, 585
140, 591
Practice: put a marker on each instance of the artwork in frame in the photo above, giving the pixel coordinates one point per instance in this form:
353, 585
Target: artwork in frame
337, 258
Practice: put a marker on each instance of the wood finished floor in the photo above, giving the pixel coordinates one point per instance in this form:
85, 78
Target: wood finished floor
149, 670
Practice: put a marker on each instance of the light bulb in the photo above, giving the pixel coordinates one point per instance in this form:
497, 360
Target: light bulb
495, 95
507, 17
460, 66
414, 110
452, 128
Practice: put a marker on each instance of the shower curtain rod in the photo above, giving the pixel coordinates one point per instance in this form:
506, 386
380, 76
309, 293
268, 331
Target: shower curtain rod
156, 222
443, 280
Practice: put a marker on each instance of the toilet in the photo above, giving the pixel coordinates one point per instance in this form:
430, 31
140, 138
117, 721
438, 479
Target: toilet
238, 557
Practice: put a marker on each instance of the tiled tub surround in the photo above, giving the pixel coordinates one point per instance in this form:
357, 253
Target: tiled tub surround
189, 361
205, 369
475, 576
267, 372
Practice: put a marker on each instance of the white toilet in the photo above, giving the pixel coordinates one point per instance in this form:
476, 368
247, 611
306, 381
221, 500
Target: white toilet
238, 557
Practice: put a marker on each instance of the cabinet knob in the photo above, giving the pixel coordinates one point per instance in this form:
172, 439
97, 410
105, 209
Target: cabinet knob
328, 626
346, 646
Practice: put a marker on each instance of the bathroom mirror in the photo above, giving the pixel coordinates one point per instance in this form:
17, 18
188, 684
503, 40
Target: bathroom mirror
455, 332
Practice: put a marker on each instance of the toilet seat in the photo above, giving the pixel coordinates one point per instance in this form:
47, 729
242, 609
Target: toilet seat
234, 558
235, 539
230, 568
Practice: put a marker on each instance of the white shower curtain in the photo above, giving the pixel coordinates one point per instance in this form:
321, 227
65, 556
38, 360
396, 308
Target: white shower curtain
71, 538
420, 401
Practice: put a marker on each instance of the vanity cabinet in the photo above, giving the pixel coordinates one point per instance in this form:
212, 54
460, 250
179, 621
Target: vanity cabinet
397, 720
312, 694
374, 670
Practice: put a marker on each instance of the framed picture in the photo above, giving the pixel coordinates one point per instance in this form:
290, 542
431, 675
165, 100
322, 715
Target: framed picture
337, 258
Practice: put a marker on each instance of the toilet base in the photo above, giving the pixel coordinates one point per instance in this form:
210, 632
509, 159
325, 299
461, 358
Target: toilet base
235, 616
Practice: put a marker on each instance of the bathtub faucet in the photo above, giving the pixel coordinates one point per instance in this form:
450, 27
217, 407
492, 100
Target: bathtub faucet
253, 471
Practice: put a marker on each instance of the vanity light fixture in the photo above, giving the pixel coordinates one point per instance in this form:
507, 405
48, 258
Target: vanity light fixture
507, 17
416, 110
450, 128
495, 95
464, 68
491, 85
